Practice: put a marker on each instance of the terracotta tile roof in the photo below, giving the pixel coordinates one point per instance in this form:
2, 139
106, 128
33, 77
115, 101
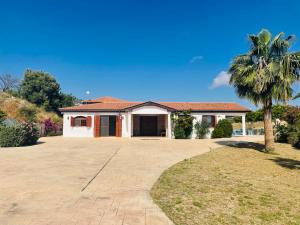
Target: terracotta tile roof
105, 99
113, 104
99, 107
206, 106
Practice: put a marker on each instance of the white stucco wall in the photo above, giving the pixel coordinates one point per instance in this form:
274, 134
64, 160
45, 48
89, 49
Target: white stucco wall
127, 127
219, 116
151, 110
198, 117
69, 131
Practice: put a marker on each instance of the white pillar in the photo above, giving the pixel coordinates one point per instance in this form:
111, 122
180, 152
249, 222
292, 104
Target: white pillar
169, 132
129, 124
244, 124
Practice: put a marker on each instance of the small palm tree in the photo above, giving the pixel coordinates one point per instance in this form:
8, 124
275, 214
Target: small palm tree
266, 74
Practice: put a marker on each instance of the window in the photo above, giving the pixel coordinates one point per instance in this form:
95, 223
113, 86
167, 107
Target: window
80, 121
209, 119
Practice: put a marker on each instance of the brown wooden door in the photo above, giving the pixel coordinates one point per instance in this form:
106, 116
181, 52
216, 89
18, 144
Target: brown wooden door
118, 126
97, 126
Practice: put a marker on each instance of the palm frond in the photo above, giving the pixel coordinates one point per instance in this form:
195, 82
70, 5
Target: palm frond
264, 37
268, 70
296, 96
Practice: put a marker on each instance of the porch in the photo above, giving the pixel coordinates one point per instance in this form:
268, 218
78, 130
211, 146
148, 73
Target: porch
150, 125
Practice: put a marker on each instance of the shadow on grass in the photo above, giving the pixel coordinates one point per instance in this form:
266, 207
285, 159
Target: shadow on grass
287, 163
243, 144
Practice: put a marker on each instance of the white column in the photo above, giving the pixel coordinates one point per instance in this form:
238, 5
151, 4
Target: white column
129, 124
169, 132
244, 124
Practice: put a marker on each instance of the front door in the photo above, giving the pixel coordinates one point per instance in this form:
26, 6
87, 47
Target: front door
104, 124
148, 125
108, 126
112, 125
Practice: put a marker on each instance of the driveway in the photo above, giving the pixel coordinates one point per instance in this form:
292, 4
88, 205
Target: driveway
80, 181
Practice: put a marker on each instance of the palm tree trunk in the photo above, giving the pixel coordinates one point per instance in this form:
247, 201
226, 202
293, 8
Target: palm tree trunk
269, 138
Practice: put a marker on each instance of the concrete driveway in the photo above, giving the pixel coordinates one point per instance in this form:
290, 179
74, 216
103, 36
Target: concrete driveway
89, 181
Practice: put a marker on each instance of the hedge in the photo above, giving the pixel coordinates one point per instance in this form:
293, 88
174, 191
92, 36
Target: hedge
223, 129
18, 135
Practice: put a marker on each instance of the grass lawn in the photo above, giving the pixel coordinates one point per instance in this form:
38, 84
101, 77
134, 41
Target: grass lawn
233, 185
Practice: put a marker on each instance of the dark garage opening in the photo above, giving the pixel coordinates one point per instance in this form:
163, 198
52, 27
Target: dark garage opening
149, 125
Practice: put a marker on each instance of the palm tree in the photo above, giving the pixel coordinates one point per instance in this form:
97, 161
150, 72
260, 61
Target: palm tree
266, 74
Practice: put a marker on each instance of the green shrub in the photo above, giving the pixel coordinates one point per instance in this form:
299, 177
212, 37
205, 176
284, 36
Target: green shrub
9, 136
290, 133
293, 138
18, 135
183, 124
282, 133
223, 129
2, 116
30, 134
179, 132
217, 133
202, 129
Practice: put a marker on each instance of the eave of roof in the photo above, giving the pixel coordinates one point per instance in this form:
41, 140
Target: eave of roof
170, 106
150, 103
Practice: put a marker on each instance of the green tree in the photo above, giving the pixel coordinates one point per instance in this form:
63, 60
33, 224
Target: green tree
266, 73
183, 124
278, 111
67, 100
255, 116
41, 89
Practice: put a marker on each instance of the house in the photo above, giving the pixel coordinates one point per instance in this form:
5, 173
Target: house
108, 116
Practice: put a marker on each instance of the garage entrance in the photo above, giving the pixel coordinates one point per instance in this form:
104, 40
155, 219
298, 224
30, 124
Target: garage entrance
149, 125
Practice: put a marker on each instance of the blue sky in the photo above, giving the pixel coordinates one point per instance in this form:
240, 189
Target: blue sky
137, 50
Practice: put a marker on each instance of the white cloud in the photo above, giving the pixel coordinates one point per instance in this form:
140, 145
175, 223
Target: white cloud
222, 79
196, 58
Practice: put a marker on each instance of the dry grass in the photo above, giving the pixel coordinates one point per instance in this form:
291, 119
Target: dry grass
249, 125
233, 185
12, 105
